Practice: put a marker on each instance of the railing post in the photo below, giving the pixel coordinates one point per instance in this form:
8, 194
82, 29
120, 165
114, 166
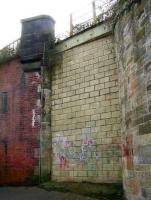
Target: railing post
71, 25
93, 10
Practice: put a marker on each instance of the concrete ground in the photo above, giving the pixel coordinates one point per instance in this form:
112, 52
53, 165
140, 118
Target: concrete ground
34, 193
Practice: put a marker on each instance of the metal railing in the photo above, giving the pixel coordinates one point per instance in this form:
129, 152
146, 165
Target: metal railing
93, 13
9, 51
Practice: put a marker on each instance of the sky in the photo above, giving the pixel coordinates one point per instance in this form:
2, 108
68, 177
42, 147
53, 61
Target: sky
12, 11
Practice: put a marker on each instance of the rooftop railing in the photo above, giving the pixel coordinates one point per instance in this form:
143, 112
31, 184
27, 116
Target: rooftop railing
92, 14
9, 51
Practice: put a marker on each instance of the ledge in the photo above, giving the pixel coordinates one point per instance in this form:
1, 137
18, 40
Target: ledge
91, 34
37, 18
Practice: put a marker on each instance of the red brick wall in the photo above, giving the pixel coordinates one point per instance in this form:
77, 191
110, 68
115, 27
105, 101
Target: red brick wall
19, 126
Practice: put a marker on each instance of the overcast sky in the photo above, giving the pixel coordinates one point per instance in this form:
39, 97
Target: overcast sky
12, 11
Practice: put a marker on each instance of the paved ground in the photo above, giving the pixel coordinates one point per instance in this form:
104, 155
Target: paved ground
34, 193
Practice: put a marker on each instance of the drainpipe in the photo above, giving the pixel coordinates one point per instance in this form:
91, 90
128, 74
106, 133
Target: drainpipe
41, 100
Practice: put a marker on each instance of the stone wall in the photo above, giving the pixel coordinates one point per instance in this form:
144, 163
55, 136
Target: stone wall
133, 50
45, 134
93, 106
85, 112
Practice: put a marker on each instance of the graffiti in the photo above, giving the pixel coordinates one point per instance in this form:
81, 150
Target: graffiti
88, 150
144, 155
33, 117
127, 149
65, 150
19, 126
134, 186
36, 118
64, 163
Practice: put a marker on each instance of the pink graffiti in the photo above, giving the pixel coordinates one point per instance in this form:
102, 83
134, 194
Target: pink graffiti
67, 144
64, 163
88, 142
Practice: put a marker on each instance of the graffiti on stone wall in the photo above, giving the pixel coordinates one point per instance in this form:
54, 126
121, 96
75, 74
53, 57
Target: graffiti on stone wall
148, 83
64, 150
127, 149
134, 186
144, 155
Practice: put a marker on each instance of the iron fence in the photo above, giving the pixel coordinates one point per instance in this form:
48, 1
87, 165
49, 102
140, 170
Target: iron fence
93, 13
9, 51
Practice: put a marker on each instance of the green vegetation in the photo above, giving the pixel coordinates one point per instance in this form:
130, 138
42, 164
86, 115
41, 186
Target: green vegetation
6, 54
108, 191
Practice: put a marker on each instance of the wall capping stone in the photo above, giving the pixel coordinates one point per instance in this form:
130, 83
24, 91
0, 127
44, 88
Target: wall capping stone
101, 30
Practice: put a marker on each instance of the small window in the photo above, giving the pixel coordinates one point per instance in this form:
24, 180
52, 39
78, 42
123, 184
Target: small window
3, 102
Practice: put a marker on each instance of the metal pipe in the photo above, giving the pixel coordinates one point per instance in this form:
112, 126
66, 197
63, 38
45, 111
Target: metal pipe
94, 10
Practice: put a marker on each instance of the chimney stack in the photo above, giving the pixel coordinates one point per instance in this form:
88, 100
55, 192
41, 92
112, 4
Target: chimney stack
37, 33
